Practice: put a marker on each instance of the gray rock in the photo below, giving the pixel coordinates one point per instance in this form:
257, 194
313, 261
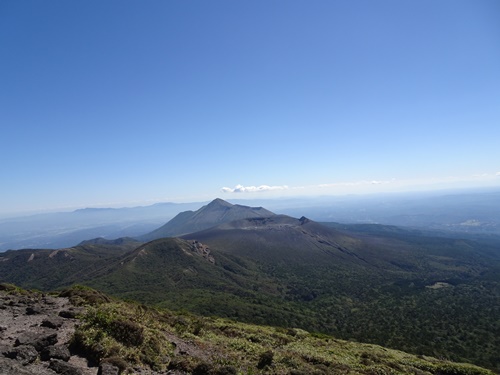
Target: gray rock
33, 310
9, 367
108, 369
24, 354
68, 314
29, 328
55, 352
49, 301
64, 368
38, 340
52, 323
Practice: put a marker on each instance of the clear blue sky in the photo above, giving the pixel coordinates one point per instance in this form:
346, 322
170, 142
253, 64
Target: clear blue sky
132, 102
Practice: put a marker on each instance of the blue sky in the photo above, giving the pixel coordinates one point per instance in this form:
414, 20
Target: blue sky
106, 103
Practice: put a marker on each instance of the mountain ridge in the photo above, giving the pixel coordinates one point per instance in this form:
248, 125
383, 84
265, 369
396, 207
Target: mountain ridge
471, 212
216, 212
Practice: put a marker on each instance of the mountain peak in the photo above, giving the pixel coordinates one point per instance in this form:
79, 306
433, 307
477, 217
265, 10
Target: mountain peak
219, 202
304, 220
215, 213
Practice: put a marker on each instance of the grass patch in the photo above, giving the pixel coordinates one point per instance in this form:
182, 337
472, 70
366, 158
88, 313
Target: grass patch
129, 335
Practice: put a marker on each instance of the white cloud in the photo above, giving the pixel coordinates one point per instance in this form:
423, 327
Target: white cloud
498, 174
264, 188
253, 189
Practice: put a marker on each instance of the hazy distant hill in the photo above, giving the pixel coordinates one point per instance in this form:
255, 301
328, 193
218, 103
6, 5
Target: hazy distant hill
65, 229
461, 211
475, 212
216, 212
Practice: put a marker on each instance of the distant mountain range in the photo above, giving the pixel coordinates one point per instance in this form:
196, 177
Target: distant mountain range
460, 211
399, 288
65, 229
465, 212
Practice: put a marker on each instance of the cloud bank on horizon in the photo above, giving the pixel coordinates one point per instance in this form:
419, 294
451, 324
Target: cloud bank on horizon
267, 188
359, 184
253, 189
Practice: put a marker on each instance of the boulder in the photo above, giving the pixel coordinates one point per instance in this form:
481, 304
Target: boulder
108, 369
33, 310
52, 322
64, 368
68, 314
38, 340
55, 352
25, 354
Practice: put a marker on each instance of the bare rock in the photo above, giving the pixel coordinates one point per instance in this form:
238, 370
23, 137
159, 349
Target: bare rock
64, 368
9, 367
33, 310
55, 352
29, 329
52, 322
108, 369
68, 314
24, 354
38, 340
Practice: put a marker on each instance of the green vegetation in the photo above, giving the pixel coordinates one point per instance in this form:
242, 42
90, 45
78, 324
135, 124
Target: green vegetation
12, 289
161, 339
430, 296
51, 269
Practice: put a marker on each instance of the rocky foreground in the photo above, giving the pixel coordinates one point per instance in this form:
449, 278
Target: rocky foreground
84, 332
35, 333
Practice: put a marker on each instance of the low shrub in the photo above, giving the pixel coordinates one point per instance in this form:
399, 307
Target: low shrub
265, 359
127, 332
83, 295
